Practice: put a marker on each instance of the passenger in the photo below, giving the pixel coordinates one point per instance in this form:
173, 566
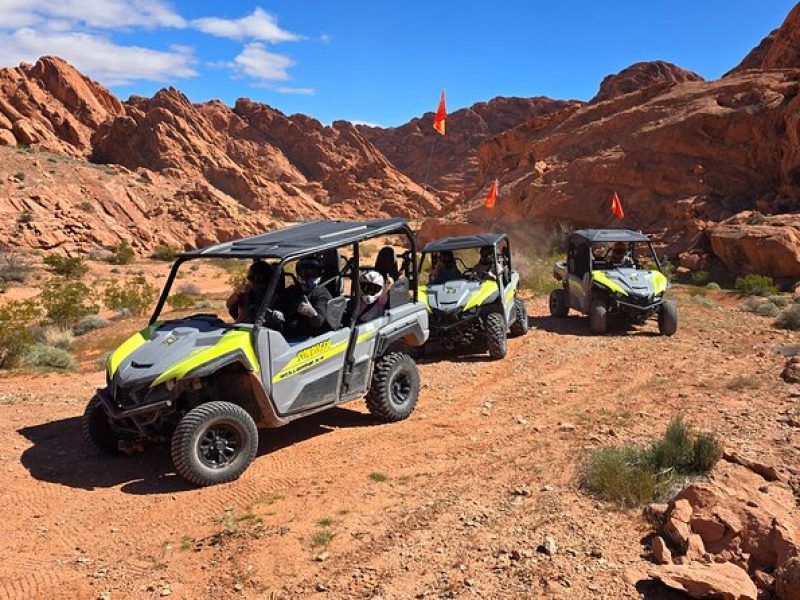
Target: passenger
303, 305
620, 257
373, 298
599, 251
485, 267
444, 268
243, 303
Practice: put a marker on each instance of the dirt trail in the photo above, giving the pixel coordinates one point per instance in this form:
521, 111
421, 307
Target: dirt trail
482, 472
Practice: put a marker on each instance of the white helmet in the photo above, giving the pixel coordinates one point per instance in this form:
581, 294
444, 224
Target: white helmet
371, 284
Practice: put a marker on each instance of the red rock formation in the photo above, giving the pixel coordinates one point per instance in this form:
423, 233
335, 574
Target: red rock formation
779, 50
454, 161
641, 75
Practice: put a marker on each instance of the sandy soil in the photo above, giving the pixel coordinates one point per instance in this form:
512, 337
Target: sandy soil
454, 502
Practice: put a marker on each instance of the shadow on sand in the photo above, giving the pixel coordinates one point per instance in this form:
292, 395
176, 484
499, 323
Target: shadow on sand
580, 326
60, 455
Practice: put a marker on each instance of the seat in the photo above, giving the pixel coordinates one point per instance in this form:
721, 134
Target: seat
398, 294
386, 263
331, 274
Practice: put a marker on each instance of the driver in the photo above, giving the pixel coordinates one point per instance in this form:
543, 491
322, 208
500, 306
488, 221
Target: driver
620, 256
303, 304
485, 268
599, 251
444, 268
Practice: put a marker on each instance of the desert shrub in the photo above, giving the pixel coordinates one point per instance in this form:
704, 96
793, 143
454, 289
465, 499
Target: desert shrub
756, 218
90, 323
767, 309
713, 285
704, 302
67, 302
71, 267
165, 253
668, 269
697, 291
204, 303
40, 356
121, 254
25, 217
15, 332
14, 266
189, 289
796, 299
54, 336
237, 277
86, 206
699, 277
133, 296
778, 301
181, 301
756, 285
750, 305
632, 475
789, 318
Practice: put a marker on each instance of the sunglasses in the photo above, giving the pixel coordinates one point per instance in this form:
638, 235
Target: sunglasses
371, 289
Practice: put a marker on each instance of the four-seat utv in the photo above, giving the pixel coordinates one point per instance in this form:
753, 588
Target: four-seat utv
471, 294
205, 385
613, 273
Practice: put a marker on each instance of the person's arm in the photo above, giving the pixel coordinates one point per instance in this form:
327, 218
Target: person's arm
313, 308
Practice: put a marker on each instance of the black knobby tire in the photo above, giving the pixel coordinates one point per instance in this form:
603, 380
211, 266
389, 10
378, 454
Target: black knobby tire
520, 326
496, 339
598, 317
214, 443
668, 318
96, 428
394, 390
558, 303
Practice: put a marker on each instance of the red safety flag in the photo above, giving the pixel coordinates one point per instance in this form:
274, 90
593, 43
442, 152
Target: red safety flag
616, 207
441, 116
491, 197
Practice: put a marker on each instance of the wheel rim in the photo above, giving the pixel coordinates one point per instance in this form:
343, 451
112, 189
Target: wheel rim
553, 303
400, 388
219, 445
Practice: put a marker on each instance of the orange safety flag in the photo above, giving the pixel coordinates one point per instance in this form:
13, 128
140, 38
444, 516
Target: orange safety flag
491, 197
616, 207
441, 115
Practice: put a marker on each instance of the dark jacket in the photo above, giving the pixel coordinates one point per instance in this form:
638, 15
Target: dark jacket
298, 325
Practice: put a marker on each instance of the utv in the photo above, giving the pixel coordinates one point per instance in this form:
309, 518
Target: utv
206, 385
471, 294
607, 275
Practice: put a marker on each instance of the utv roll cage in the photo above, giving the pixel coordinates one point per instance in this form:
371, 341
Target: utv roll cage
292, 243
587, 237
465, 242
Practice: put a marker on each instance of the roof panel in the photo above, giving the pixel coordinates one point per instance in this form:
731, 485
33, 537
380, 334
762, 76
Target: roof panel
301, 239
464, 241
611, 235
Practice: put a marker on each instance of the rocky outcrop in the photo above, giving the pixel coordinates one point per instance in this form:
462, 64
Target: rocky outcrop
641, 75
450, 162
779, 50
753, 243
722, 581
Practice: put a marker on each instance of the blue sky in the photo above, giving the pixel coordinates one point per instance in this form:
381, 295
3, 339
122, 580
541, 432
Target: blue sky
379, 62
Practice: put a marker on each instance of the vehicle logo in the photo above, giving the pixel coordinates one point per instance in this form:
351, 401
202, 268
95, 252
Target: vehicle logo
450, 290
170, 340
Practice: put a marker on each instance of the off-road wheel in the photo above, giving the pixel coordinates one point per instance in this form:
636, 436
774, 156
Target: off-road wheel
394, 390
668, 318
496, 339
214, 443
96, 428
598, 317
520, 326
558, 303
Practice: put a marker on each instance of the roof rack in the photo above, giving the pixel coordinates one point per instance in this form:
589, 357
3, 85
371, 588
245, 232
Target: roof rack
610, 235
464, 241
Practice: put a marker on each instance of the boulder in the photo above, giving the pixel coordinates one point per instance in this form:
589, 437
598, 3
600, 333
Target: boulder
641, 75
722, 581
791, 371
661, 552
787, 580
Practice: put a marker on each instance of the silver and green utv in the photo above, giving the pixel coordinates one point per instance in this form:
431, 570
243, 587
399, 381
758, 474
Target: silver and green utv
471, 294
613, 274
205, 385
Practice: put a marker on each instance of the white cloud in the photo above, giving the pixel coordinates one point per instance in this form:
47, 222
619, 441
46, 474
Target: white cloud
98, 56
100, 14
305, 91
367, 123
325, 38
258, 26
257, 62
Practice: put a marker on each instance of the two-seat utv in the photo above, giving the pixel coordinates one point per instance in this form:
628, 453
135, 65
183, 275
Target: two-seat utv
206, 385
471, 294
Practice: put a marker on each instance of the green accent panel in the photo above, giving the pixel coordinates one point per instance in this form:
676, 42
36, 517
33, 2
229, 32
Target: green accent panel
659, 282
602, 278
479, 296
230, 342
422, 294
125, 349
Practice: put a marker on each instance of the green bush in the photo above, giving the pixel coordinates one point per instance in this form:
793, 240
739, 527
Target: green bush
778, 301
750, 305
789, 318
767, 309
48, 357
121, 254
713, 285
67, 302
756, 285
181, 301
133, 296
54, 336
165, 253
90, 323
699, 277
632, 475
14, 266
704, 302
71, 267
16, 336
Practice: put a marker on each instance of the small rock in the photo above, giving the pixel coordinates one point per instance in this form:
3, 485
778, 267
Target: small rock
661, 552
695, 548
166, 592
322, 556
566, 427
548, 546
321, 587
